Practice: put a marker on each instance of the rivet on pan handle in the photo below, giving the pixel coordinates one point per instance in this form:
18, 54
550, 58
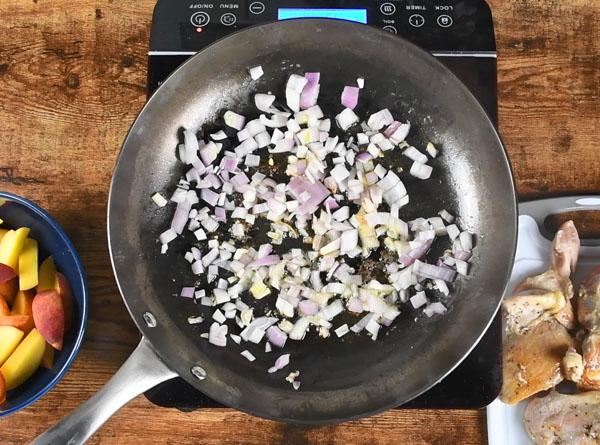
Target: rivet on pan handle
540, 209
142, 371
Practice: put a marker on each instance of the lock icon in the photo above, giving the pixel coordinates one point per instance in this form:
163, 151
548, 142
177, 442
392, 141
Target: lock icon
445, 21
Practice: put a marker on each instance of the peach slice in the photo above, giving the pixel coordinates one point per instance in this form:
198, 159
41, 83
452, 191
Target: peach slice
28, 265
10, 337
49, 317
4, 309
7, 273
25, 360
22, 306
64, 290
8, 283
18, 321
9, 289
47, 275
48, 358
11, 246
2, 233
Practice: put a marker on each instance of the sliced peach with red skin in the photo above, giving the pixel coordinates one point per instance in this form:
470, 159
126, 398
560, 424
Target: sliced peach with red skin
49, 317
18, 321
64, 290
22, 306
6, 273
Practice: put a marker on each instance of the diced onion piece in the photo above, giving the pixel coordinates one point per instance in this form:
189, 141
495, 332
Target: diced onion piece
299, 329
421, 171
466, 241
380, 119
248, 355
167, 236
280, 363
349, 97
415, 155
276, 336
310, 92
256, 73
346, 119
218, 334
234, 120
434, 272
360, 82
342, 330
293, 89
419, 299
400, 133
218, 136
435, 308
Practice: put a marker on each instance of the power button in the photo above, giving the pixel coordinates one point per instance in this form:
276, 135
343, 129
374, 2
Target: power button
200, 19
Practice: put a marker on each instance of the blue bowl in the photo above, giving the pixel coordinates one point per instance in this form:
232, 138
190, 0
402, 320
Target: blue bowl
52, 240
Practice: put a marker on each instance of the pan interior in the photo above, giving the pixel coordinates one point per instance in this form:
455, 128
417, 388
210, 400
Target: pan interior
340, 378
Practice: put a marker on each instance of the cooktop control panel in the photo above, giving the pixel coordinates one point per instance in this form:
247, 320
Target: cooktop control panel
438, 25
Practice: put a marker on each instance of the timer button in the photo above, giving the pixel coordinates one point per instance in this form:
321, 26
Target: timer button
445, 21
416, 20
257, 7
228, 19
387, 8
200, 19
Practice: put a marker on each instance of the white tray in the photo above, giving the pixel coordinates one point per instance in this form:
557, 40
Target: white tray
505, 422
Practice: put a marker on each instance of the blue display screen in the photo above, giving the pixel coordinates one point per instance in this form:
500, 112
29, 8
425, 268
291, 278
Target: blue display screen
352, 15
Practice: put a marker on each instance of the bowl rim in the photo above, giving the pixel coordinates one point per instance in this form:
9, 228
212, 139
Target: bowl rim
82, 325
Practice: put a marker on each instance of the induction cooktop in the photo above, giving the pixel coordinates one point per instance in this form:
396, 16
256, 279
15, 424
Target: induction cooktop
459, 33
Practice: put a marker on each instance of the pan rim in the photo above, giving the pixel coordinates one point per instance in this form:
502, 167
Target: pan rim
505, 166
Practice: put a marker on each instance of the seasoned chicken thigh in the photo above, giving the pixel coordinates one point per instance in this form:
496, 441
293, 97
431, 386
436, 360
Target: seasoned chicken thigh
559, 419
588, 313
532, 362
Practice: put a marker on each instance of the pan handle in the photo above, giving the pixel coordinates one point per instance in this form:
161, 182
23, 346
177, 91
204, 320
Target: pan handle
140, 372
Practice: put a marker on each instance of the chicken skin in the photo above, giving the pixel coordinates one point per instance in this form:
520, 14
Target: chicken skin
559, 419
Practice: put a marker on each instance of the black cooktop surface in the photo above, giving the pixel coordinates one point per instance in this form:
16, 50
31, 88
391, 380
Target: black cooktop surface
459, 33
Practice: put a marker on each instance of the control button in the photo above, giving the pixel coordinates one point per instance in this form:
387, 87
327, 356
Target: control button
257, 7
416, 20
200, 19
445, 21
390, 28
228, 19
387, 8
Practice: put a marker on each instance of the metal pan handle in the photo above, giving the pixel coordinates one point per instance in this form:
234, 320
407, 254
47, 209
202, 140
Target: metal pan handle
142, 370
540, 209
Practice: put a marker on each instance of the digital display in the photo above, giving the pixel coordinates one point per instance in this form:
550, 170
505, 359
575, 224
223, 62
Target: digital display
352, 15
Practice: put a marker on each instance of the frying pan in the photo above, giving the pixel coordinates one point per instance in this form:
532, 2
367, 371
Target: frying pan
341, 380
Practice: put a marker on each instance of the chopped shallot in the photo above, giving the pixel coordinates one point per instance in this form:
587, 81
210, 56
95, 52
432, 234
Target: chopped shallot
336, 200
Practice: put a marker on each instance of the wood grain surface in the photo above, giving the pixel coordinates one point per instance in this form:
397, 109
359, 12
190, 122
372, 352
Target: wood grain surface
72, 79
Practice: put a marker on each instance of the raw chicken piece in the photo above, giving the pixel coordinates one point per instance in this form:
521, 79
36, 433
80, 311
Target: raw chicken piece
588, 313
532, 361
537, 299
565, 249
559, 419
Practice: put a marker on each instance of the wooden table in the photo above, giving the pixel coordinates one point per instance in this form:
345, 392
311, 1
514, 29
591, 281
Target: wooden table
72, 79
